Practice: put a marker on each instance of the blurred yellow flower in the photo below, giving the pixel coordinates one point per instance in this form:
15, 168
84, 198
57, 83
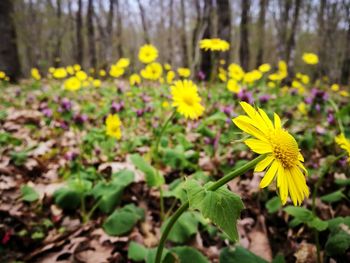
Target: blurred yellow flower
184, 72
264, 68
302, 108
310, 58
96, 83
72, 84
186, 99
344, 143
152, 71
165, 104
233, 86
167, 66
148, 53
271, 84
2, 75
344, 93
123, 63
170, 76
77, 67
335, 87
60, 73
102, 73
51, 70
252, 76
70, 70
116, 72
214, 44
35, 74
235, 71
135, 79
222, 62
81, 75
113, 124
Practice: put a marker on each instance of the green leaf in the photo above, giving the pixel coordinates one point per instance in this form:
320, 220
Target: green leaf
136, 252
108, 195
166, 256
239, 254
29, 194
318, 224
221, 206
123, 178
279, 259
338, 243
153, 178
184, 228
123, 220
273, 205
334, 223
300, 213
333, 197
67, 198
189, 255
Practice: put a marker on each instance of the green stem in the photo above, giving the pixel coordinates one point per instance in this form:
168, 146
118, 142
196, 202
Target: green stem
224, 180
162, 131
335, 107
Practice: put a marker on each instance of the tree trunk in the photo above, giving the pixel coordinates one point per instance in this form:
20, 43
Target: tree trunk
261, 32
185, 61
58, 35
244, 32
80, 42
171, 27
91, 35
9, 62
321, 36
345, 70
71, 31
224, 24
291, 39
144, 24
206, 61
119, 30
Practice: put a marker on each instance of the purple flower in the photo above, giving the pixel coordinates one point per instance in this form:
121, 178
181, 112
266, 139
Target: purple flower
139, 112
308, 100
47, 112
246, 96
66, 105
264, 98
146, 98
331, 119
117, 107
80, 118
70, 156
201, 75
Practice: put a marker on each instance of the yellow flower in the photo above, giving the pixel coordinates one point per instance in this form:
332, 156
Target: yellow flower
343, 143
51, 70
222, 76
186, 99
60, 73
235, 71
148, 54
214, 44
170, 76
135, 79
264, 68
222, 62
296, 84
113, 124
102, 73
233, 86
81, 75
184, 72
72, 84
302, 108
2, 75
310, 58
283, 158
335, 87
344, 93
167, 66
252, 76
271, 84
77, 67
35, 74
152, 71
96, 83
305, 79
116, 72
123, 63
165, 104
70, 70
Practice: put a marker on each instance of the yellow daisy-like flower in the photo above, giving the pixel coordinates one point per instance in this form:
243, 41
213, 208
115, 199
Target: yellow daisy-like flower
70, 70
310, 58
335, 87
235, 71
233, 86
60, 73
135, 79
2, 75
35, 74
148, 54
77, 67
264, 68
102, 73
214, 44
81, 75
152, 71
186, 99
170, 76
113, 124
283, 158
96, 83
344, 93
184, 72
72, 84
343, 143
116, 72
123, 63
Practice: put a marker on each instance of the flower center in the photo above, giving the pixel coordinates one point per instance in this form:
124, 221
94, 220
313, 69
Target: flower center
189, 100
216, 41
284, 148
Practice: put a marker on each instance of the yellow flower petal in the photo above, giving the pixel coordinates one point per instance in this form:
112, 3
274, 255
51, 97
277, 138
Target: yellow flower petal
258, 146
264, 163
269, 175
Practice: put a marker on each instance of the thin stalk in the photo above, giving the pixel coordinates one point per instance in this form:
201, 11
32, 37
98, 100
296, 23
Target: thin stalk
335, 107
224, 180
162, 131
